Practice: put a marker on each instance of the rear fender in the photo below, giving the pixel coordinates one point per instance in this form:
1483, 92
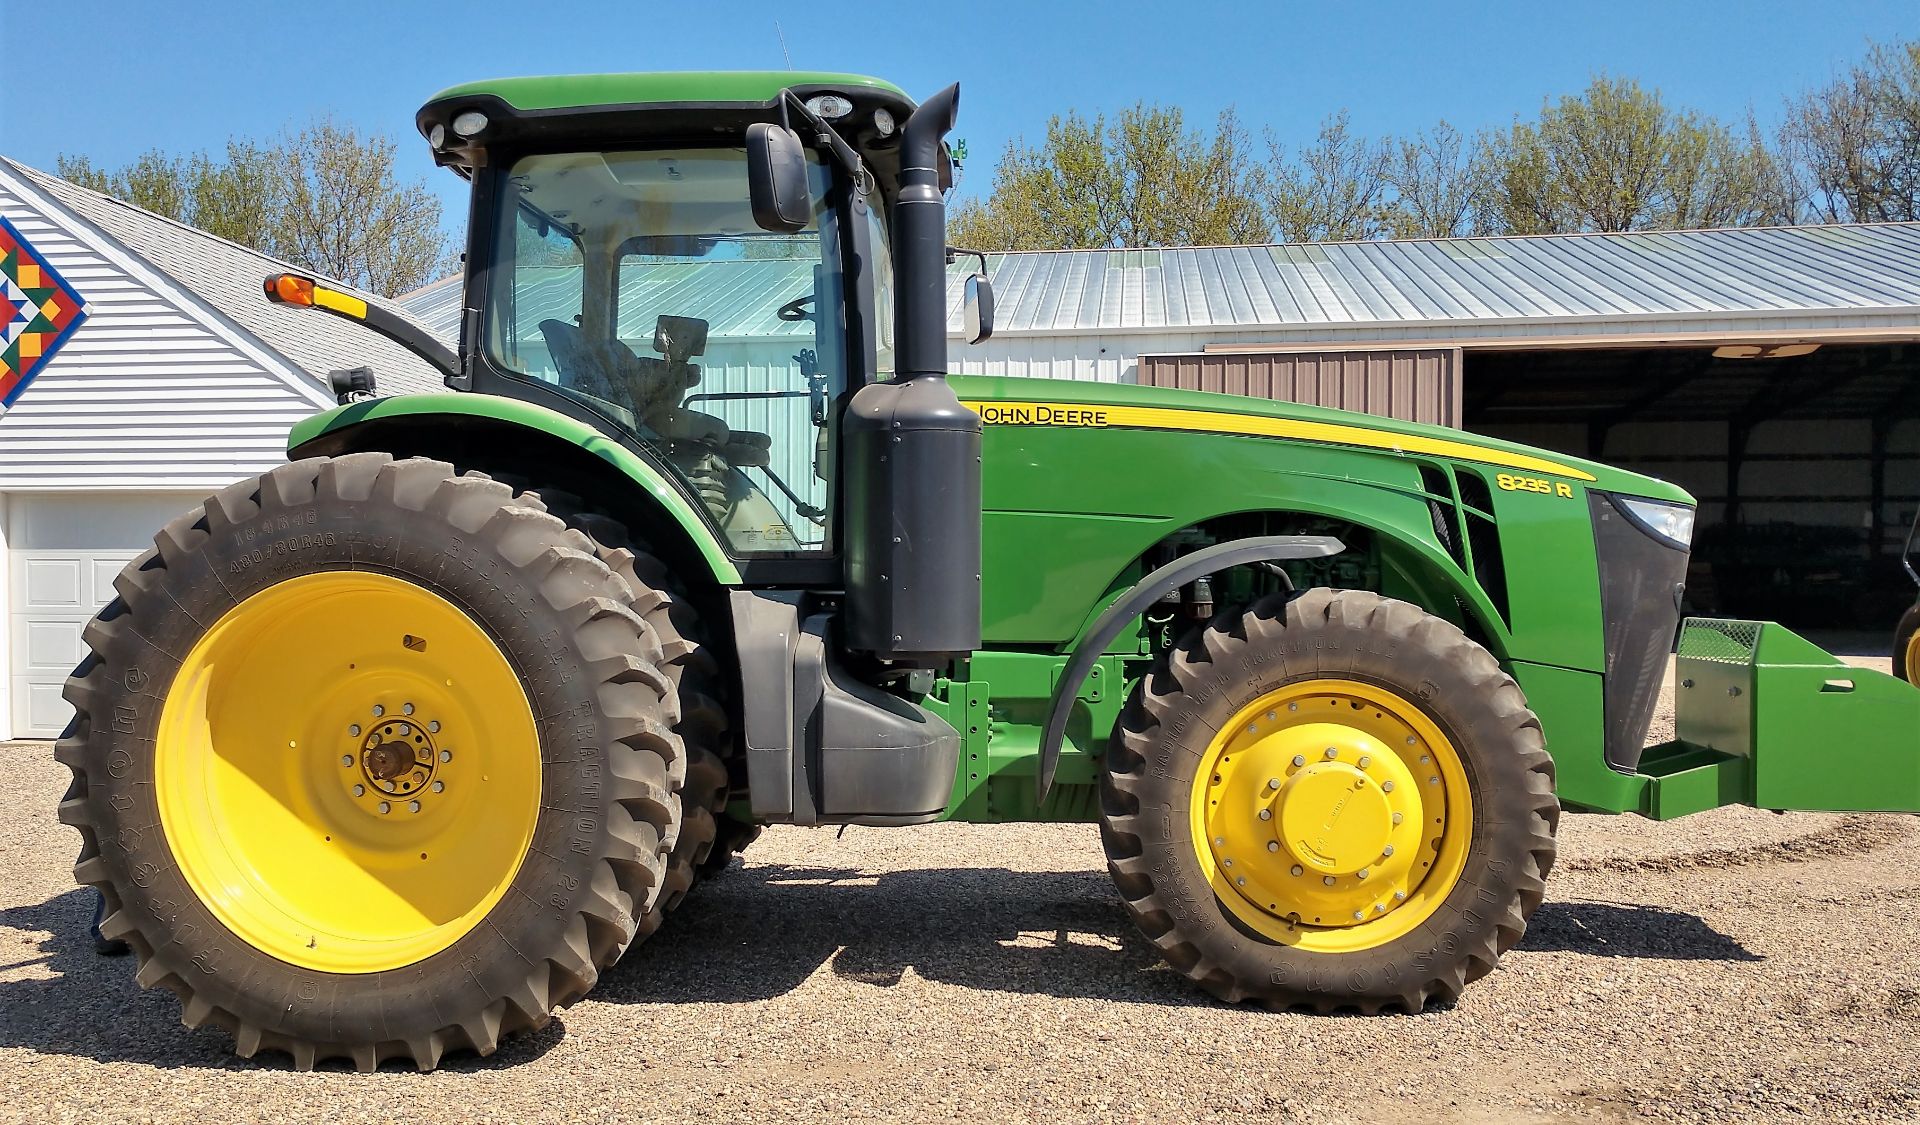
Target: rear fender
494, 434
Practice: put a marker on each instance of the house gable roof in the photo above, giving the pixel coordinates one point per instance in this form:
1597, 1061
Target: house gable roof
226, 277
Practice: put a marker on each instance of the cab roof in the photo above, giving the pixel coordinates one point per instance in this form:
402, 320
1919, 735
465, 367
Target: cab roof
579, 91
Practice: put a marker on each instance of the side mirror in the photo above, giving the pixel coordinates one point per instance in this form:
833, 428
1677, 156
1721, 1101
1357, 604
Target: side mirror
979, 308
777, 178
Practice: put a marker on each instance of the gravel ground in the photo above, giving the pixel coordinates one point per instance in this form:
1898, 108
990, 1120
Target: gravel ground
1734, 966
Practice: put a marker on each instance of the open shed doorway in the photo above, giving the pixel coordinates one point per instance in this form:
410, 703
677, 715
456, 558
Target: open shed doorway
1805, 459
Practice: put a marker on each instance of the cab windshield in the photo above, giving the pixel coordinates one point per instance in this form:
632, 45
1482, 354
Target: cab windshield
638, 283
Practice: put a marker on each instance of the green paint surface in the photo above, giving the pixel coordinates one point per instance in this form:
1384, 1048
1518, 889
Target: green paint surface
579, 91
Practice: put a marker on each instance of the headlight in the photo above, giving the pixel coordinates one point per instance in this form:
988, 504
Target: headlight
1670, 523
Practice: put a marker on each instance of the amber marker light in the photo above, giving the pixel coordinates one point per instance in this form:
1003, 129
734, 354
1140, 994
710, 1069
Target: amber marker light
287, 289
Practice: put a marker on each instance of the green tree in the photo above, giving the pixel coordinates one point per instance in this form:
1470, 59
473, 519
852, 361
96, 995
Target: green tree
1144, 179
1334, 191
1615, 157
1849, 152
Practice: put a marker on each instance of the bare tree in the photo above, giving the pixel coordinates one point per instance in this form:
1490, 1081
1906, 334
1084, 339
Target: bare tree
324, 198
1436, 177
1850, 151
1335, 190
346, 216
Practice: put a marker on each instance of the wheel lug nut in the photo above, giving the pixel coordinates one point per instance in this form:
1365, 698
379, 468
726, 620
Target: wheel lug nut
1228, 862
413, 806
1298, 761
1273, 783
1296, 870
346, 759
1386, 787
1424, 759
1363, 873
1293, 706
1433, 781
1386, 851
1219, 841
1327, 879
1241, 881
446, 755
407, 708
1273, 845
1365, 761
354, 730
1410, 740
1332, 753
1358, 915
1398, 817
1271, 716
378, 710
1399, 896
433, 727
359, 790
1266, 814
1380, 907
385, 808
439, 787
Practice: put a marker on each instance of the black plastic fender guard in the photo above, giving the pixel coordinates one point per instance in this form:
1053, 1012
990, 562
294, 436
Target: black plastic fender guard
1179, 572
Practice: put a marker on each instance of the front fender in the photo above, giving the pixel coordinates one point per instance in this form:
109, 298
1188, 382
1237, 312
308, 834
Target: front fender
435, 425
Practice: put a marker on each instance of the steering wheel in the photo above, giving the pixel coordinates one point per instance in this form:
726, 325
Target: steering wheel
796, 309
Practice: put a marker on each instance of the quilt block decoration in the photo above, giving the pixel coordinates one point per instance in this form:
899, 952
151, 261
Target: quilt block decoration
38, 312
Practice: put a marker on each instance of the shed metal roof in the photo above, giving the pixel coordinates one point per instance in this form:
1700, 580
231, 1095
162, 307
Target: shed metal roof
1748, 280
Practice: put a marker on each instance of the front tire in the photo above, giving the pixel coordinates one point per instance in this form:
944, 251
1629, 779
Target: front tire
1906, 644
372, 760
1331, 800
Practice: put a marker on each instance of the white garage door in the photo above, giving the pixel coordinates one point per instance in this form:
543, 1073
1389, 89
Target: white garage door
63, 550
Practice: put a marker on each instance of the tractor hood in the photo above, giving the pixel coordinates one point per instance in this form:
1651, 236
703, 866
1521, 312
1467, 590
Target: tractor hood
1046, 402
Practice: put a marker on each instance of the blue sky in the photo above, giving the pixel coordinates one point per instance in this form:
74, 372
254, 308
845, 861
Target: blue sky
185, 76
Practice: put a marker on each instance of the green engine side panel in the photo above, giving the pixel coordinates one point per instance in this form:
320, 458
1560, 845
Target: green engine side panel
518, 413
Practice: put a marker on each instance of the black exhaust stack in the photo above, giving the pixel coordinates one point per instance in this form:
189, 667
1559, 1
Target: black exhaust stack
912, 486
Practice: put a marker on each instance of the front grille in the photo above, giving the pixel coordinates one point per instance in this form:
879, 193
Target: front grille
1641, 580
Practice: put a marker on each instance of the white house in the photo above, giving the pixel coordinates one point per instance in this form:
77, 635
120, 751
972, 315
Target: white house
181, 380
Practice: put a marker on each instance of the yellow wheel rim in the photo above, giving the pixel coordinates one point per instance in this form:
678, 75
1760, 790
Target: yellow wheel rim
1912, 664
1331, 815
347, 772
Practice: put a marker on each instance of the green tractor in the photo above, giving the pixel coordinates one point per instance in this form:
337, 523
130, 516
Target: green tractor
393, 750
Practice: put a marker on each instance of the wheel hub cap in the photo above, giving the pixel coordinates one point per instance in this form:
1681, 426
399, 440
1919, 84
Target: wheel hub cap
1331, 814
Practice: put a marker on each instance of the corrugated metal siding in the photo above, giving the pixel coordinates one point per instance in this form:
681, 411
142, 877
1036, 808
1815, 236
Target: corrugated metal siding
1418, 386
144, 394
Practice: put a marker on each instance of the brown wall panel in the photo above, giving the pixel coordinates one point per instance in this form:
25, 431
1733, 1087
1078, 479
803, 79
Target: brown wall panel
1421, 385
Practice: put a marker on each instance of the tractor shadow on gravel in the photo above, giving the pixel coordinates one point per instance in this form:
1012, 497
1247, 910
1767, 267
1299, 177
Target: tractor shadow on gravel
759, 931
76, 1002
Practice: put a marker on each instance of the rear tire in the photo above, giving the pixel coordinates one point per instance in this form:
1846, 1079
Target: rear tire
1330, 800
601, 807
709, 837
